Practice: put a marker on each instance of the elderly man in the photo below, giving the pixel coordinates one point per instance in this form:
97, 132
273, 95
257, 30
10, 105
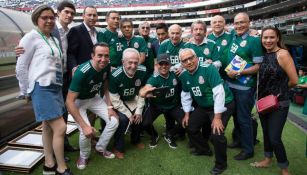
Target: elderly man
242, 82
125, 83
214, 100
172, 46
90, 79
204, 48
167, 103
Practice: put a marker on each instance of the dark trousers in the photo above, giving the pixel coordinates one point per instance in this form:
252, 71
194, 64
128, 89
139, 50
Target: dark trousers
272, 126
119, 135
245, 101
196, 121
152, 112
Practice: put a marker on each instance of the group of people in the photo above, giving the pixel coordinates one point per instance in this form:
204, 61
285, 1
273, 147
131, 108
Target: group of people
128, 81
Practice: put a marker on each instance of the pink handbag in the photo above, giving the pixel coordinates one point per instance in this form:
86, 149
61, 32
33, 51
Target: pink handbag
267, 104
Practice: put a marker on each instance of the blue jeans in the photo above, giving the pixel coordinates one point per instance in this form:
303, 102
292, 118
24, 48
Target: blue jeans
119, 136
272, 125
244, 100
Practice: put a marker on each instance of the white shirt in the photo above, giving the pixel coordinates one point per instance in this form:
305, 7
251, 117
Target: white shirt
92, 33
38, 64
64, 42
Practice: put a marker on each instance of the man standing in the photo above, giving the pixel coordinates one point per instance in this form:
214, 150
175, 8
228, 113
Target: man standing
109, 35
144, 29
90, 79
125, 83
162, 34
172, 45
214, 100
81, 39
204, 48
245, 48
129, 40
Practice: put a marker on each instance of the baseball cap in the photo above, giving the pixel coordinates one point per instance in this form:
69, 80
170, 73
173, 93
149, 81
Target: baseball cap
163, 58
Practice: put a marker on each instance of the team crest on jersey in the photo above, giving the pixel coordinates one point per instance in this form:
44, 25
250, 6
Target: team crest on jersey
138, 82
201, 80
188, 82
92, 81
121, 85
224, 42
167, 51
148, 45
104, 76
136, 45
175, 82
206, 51
243, 43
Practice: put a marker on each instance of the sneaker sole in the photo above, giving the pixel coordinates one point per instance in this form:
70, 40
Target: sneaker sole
152, 146
167, 140
173, 147
109, 157
81, 168
48, 173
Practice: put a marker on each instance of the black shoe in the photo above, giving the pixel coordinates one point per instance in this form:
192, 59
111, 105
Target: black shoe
49, 170
202, 153
234, 145
66, 172
171, 142
154, 142
243, 156
67, 159
216, 171
69, 148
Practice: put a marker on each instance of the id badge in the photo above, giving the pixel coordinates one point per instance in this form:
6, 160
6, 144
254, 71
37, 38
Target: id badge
58, 74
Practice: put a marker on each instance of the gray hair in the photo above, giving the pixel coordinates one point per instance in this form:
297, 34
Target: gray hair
199, 22
130, 50
186, 50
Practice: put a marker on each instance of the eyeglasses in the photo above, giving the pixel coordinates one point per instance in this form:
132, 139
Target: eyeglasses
185, 61
45, 18
145, 27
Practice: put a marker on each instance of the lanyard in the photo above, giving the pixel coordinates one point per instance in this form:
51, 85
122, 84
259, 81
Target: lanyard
45, 39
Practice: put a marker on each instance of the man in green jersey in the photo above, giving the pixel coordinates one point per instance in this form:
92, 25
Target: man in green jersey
202, 83
222, 40
204, 48
144, 29
109, 35
167, 103
244, 48
90, 79
129, 40
172, 46
125, 83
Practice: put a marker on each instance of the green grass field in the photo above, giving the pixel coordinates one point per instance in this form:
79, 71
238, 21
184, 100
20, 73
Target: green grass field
165, 161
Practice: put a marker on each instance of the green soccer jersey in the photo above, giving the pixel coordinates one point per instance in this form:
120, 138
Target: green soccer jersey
206, 50
302, 80
136, 42
111, 38
87, 81
172, 98
149, 61
223, 42
173, 50
125, 86
200, 84
249, 49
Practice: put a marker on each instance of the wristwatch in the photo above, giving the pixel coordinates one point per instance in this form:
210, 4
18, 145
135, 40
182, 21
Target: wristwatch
238, 74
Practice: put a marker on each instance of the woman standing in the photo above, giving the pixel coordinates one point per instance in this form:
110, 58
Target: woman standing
276, 75
39, 71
